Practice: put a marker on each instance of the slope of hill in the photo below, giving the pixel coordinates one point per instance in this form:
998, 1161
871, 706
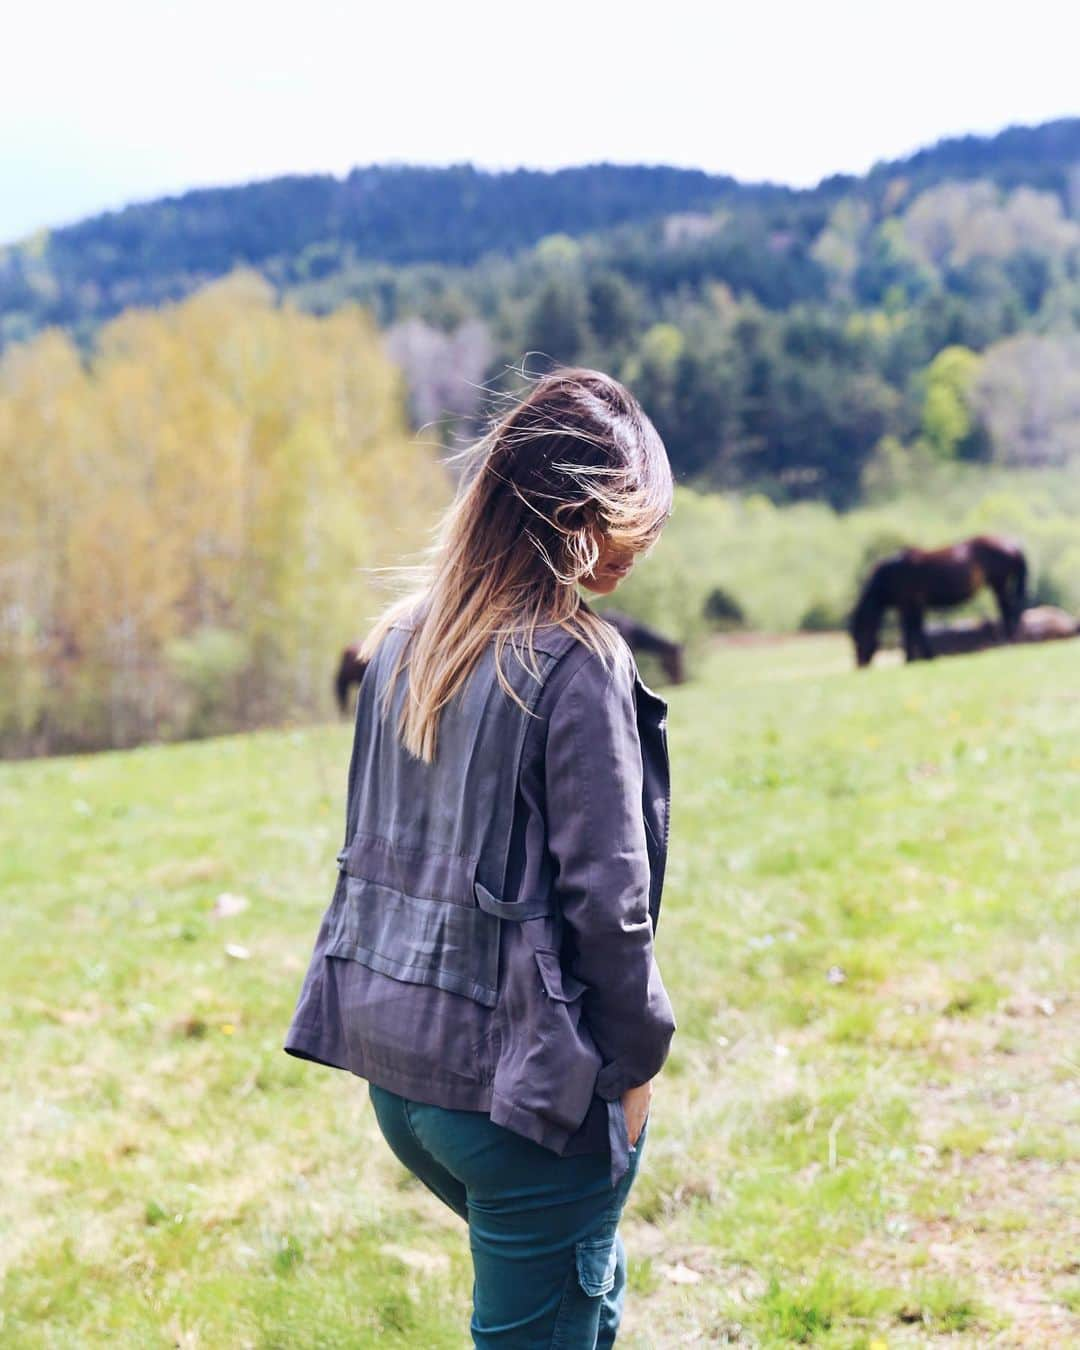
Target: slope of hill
863, 1133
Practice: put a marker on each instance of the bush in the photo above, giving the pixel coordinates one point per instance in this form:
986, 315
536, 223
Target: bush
823, 617
1049, 589
208, 666
722, 610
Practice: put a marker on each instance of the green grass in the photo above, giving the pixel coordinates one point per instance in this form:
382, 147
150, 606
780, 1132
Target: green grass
866, 1133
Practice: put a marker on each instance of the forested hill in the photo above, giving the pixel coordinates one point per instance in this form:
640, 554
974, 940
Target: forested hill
300, 229
303, 227
1039, 157
818, 343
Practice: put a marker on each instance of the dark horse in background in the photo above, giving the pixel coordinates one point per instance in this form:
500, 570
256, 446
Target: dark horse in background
915, 580
642, 638
350, 671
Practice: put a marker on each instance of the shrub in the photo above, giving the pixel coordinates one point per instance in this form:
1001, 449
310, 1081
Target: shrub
722, 610
823, 617
208, 666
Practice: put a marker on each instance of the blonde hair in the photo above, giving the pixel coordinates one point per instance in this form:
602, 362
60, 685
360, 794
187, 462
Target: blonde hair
575, 462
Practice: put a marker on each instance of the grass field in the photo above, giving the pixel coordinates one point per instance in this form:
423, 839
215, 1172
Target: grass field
867, 1131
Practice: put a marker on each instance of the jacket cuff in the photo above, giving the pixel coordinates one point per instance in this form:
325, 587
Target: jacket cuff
614, 1079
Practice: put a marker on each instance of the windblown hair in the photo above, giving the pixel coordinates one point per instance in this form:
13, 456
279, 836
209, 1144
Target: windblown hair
574, 463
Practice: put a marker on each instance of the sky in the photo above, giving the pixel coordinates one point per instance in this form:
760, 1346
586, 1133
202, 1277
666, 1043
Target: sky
117, 101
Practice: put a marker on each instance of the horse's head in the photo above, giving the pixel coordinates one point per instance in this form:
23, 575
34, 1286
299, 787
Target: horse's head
866, 645
864, 626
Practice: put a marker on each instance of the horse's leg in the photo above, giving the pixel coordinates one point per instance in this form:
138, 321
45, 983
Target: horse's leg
1018, 595
916, 643
1007, 606
909, 626
920, 631
1020, 578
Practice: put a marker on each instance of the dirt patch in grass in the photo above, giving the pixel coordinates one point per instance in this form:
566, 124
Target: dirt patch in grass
683, 1293
997, 1207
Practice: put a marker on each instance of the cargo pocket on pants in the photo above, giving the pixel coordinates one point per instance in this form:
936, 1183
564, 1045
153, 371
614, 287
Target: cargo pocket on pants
596, 1259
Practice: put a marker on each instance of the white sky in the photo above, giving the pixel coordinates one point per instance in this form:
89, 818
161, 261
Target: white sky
103, 102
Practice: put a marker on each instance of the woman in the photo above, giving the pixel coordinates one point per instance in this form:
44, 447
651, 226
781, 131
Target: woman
486, 961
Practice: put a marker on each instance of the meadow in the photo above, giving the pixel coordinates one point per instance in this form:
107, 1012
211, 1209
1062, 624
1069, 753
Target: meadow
867, 1131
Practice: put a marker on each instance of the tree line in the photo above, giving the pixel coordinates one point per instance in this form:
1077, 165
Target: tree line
806, 344
946, 331
188, 515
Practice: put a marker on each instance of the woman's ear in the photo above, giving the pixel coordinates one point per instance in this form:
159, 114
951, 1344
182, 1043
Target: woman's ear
597, 536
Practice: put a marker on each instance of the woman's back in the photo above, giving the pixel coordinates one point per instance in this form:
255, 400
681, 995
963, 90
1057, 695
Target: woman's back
486, 961
439, 962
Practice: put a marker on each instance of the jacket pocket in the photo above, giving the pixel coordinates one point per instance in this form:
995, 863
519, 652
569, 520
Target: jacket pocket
551, 1064
419, 940
558, 984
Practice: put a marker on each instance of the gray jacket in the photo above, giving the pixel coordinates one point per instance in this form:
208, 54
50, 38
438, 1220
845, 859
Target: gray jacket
489, 943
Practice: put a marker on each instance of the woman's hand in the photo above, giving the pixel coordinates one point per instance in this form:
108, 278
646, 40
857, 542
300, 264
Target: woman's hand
635, 1104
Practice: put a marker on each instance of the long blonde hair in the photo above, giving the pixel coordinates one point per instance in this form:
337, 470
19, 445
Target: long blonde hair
574, 463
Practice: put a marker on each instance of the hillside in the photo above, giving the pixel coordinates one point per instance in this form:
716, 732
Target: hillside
862, 1135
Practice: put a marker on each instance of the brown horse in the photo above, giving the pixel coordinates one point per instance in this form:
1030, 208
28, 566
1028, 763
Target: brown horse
915, 580
1043, 623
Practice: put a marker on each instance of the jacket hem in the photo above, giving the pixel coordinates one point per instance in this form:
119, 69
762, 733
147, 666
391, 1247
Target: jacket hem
527, 1123
426, 1086
454, 1095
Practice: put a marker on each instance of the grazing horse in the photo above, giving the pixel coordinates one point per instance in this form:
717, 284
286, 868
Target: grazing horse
915, 580
959, 639
1046, 623
1043, 623
642, 638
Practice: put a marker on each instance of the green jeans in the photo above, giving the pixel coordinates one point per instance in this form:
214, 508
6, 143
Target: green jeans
548, 1262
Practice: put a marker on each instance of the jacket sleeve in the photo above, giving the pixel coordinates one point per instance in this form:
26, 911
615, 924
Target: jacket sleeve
596, 834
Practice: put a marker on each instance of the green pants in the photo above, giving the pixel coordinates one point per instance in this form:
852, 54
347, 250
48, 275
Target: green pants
549, 1265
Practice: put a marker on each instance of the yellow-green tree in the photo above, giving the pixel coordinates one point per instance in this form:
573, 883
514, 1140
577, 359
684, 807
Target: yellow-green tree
189, 514
947, 418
